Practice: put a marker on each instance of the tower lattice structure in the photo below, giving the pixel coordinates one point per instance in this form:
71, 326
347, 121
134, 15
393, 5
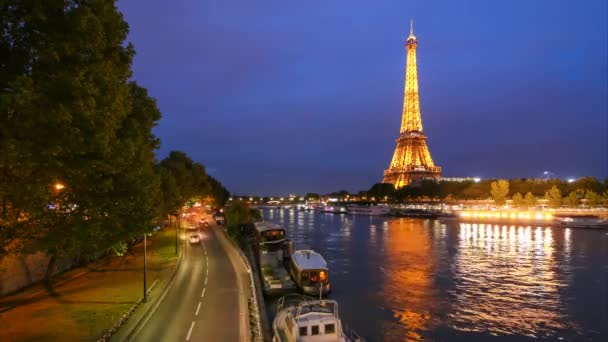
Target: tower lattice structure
412, 159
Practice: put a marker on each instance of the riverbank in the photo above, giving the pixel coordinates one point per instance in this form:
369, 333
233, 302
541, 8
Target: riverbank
86, 301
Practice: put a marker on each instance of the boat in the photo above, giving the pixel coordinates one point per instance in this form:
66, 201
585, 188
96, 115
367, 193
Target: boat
270, 205
371, 210
309, 272
332, 209
581, 221
273, 250
309, 320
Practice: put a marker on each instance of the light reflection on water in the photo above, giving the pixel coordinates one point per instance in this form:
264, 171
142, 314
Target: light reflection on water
409, 279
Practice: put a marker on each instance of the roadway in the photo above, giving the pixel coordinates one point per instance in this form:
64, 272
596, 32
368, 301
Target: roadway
207, 299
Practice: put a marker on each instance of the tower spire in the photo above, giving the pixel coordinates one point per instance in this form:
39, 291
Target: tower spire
411, 27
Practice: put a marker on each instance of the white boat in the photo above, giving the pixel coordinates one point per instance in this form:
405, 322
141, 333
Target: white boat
310, 321
581, 222
333, 209
309, 271
371, 210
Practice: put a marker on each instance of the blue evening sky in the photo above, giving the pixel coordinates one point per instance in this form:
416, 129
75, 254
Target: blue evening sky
287, 96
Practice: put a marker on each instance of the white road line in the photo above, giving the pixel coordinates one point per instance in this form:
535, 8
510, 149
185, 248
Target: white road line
198, 308
203, 294
206, 281
190, 331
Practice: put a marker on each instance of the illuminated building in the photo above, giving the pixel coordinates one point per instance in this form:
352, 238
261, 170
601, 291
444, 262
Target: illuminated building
412, 159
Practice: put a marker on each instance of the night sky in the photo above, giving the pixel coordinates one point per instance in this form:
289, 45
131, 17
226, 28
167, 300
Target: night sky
279, 97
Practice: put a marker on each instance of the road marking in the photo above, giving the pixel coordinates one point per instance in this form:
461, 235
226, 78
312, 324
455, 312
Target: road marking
206, 281
198, 308
190, 331
203, 294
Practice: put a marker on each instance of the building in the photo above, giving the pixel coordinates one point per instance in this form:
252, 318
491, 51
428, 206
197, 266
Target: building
412, 159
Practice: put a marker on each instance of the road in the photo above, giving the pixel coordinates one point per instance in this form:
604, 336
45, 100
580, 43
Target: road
207, 299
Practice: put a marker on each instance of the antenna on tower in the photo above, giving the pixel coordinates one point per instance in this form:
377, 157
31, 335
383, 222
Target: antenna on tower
411, 27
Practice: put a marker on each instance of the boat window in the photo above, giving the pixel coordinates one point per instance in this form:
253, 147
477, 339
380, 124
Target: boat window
304, 276
314, 330
330, 328
272, 235
304, 331
314, 277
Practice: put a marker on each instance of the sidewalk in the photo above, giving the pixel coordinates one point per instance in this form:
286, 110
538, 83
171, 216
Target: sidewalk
87, 301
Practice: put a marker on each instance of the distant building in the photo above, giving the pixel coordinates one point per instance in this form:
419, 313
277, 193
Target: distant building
459, 179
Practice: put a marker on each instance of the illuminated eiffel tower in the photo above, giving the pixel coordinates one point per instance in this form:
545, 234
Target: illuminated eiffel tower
412, 159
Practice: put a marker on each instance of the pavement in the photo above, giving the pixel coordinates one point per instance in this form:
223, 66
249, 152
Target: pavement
207, 300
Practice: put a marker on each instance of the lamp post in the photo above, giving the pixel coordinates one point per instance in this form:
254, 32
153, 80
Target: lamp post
145, 268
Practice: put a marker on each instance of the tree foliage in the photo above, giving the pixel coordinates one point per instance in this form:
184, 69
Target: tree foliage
592, 198
518, 200
182, 179
554, 197
70, 116
530, 200
572, 200
500, 191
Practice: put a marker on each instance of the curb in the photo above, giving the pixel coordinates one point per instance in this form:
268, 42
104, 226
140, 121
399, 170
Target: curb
108, 335
124, 317
256, 307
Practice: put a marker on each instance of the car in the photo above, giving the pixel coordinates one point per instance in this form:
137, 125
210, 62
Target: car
194, 238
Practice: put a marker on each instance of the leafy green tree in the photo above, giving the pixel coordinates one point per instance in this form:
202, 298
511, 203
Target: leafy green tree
219, 193
530, 200
554, 197
238, 214
572, 200
604, 199
182, 179
69, 115
518, 200
592, 198
500, 191
312, 196
381, 190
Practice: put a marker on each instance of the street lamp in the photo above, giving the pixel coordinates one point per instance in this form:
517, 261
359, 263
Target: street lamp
58, 186
145, 267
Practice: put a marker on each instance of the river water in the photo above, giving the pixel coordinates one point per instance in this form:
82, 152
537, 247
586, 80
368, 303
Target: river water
399, 279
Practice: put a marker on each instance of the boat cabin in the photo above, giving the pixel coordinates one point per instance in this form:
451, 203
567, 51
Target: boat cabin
311, 321
269, 233
309, 271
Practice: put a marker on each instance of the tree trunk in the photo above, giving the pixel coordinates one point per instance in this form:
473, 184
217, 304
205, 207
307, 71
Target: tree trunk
50, 268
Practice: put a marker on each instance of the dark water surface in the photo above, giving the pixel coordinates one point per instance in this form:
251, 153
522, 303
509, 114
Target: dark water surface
402, 279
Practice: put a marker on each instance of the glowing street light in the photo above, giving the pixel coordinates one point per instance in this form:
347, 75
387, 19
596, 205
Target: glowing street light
58, 186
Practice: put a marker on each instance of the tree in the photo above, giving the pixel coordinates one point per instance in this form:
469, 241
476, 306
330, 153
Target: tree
238, 214
219, 193
518, 200
604, 198
312, 196
182, 179
381, 190
592, 198
554, 197
500, 190
572, 200
530, 200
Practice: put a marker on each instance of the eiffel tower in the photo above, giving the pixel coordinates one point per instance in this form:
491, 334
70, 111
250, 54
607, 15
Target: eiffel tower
412, 159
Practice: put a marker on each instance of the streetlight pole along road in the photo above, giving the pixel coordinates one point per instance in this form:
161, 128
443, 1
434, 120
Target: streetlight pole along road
205, 300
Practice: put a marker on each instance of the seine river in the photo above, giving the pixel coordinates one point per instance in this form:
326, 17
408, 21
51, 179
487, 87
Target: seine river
400, 279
